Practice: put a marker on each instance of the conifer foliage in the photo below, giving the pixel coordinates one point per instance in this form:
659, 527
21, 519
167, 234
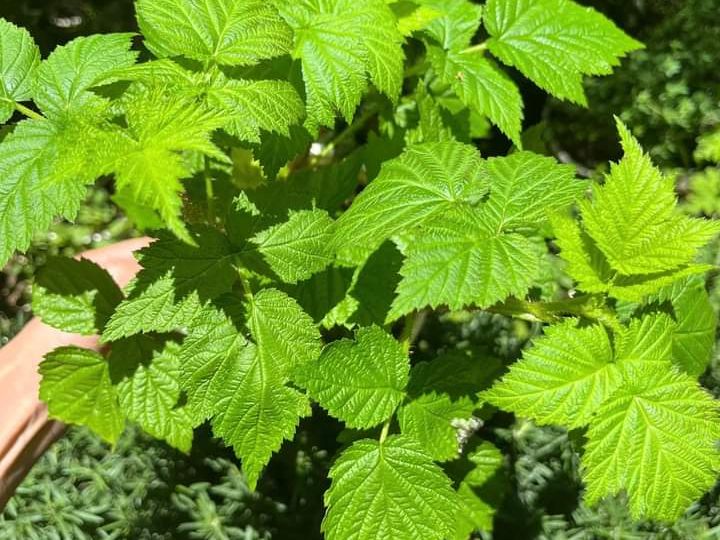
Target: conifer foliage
283, 277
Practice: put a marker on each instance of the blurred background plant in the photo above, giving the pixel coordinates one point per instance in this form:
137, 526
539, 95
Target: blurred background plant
668, 94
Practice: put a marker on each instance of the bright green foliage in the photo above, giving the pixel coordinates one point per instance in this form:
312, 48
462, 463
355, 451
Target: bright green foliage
277, 221
146, 376
360, 382
75, 296
66, 77
298, 248
633, 239
175, 280
634, 221
228, 32
474, 256
257, 410
476, 80
475, 513
388, 489
708, 148
555, 42
427, 181
694, 337
562, 379
342, 43
655, 437
440, 393
19, 59
76, 386
571, 371
149, 165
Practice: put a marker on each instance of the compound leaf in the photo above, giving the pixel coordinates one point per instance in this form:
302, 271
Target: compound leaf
555, 42
342, 43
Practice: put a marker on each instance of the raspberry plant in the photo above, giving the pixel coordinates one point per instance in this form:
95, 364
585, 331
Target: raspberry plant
294, 258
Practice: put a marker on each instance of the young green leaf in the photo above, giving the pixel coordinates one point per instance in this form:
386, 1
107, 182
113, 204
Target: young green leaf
360, 382
19, 59
555, 42
149, 163
75, 295
457, 24
342, 43
65, 78
464, 260
655, 438
225, 32
389, 489
483, 87
146, 375
426, 181
475, 512
634, 220
298, 248
562, 378
77, 389
176, 280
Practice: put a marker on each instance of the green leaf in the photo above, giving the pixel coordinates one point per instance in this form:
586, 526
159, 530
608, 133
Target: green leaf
475, 512
209, 356
562, 378
464, 260
299, 247
252, 106
76, 386
149, 163
440, 393
19, 59
389, 489
75, 295
571, 371
555, 42
228, 32
36, 182
375, 285
257, 412
412, 17
360, 382
342, 43
457, 25
65, 78
634, 220
654, 438
425, 182
285, 335
176, 280
526, 187
146, 376
483, 87
694, 337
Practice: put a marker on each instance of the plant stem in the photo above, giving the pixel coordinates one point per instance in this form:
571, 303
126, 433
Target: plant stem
385, 430
589, 307
28, 112
480, 47
349, 131
407, 332
209, 192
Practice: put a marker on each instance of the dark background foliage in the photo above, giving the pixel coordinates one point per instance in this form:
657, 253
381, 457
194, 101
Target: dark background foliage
667, 94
